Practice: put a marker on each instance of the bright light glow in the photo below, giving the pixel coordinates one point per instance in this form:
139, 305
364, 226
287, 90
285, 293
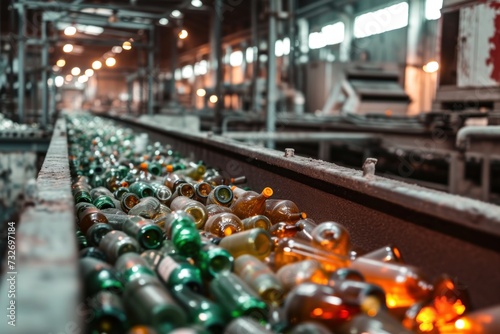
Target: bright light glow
75, 71
286, 46
50, 81
183, 34
59, 81
83, 79
176, 13
201, 92
98, 11
70, 31
127, 45
333, 33
431, 67
380, 21
68, 78
249, 54
56, 68
96, 65
187, 72
89, 72
213, 99
236, 58
316, 40
116, 49
61, 62
201, 68
263, 58
68, 48
178, 74
278, 48
163, 21
433, 9
90, 30
196, 3
110, 62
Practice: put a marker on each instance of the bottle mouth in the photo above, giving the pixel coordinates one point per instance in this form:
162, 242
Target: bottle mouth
220, 264
262, 244
267, 192
223, 194
147, 192
151, 238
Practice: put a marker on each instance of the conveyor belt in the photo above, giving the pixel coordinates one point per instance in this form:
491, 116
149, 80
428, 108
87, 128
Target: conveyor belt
439, 232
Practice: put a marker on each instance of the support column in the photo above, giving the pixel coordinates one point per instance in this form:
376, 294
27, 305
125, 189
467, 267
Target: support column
217, 37
346, 45
45, 64
173, 67
271, 72
20, 64
255, 48
151, 58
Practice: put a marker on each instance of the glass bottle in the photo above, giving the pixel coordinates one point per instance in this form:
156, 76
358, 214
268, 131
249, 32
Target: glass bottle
388, 253
290, 250
246, 325
183, 189
283, 210
404, 285
260, 278
237, 298
116, 243
311, 328
150, 304
141, 189
213, 260
153, 257
81, 240
96, 232
194, 208
102, 198
482, 321
256, 242
132, 266
179, 227
108, 314
92, 252
120, 192
149, 235
81, 194
221, 195
345, 274
128, 201
223, 224
283, 230
116, 220
172, 180
251, 203
200, 310
332, 237
80, 207
141, 329
98, 276
382, 322
195, 171
259, 221
213, 209
305, 227
293, 274
174, 270
89, 217
148, 207
202, 190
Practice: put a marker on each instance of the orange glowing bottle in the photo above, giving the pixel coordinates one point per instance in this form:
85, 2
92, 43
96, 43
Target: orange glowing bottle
388, 253
293, 274
251, 203
223, 224
283, 210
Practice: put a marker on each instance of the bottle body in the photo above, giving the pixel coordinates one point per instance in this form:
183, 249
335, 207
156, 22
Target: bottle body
256, 242
223, 224
251, 203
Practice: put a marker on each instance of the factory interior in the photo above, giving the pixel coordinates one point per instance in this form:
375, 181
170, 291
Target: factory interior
361, 132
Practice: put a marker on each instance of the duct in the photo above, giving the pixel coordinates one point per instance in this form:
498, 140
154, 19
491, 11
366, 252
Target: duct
465, 135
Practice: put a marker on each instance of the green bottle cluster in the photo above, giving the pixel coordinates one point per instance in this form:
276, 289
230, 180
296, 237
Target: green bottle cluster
170, 244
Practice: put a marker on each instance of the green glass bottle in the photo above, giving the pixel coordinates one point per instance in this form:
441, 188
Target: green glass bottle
92, 252
82, 195
102, 198
108, 314
237, 298
221, 195
98, 276
132, 266
200, 310
179, 227
116, 243
96, 232
174, 270
81, 240
150, 304
155, 168
213, 260
149, 235
141, 189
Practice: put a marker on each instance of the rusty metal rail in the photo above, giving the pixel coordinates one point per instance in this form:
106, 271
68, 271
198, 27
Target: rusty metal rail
439, 232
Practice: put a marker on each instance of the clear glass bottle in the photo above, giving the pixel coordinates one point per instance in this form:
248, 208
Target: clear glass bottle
116, 243
256, 242
128, 201
221, 195
251, 203
260, 278
194, 208
388, 253
223, 224
332, 237
148, 207
145, 231
293, 274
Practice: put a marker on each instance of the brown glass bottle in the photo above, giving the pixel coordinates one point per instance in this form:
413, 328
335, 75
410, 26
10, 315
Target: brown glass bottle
223, 224
293, 274
282, 210
213, 209
89, 217
251, 203
259, 221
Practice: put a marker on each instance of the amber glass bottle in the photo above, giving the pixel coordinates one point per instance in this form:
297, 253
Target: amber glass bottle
282, 210
251, 203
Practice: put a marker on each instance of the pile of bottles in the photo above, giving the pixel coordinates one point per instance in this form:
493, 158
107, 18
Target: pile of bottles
171, 245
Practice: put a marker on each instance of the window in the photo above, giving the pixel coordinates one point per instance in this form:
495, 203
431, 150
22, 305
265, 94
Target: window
380, 21
330, 35
433, 9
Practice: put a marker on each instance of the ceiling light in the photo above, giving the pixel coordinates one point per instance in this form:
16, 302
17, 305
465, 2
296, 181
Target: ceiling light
183, 34
96, 65
70, 31
75, 71
201, 92
127, 45
163, 21
175, 13
83, 79
61, 62
116, 49
68, 77
89, 72
110, 62
213, 99
431, 67
55, 68
59, 81
68, 48
196, 3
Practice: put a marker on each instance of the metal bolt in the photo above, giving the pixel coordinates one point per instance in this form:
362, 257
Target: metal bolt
369, 167
289, 152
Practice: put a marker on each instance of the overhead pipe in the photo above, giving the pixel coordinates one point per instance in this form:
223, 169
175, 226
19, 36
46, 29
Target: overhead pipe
465, 134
